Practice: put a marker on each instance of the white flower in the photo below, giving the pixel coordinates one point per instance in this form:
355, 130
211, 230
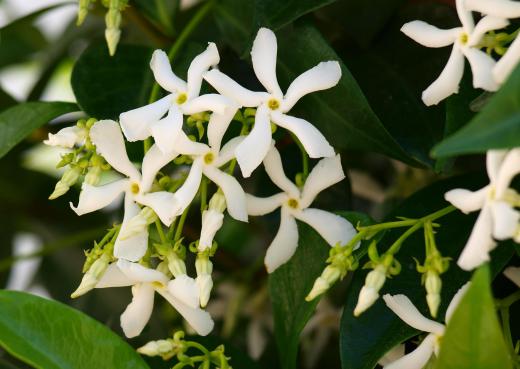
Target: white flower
273, 105
404, 309
465, 40
295, 204
108, 139
67, 137
184, 99
503, 9
513, 274
497, 219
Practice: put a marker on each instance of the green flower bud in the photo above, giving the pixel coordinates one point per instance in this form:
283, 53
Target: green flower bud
69, 178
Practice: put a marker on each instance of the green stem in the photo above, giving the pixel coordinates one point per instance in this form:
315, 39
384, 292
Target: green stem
305, 157
509, 300
203, 194
158, 225
180, 226
197, 346
506, 328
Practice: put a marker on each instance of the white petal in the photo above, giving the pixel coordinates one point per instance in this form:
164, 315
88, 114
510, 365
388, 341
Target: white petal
428, 35
114, 277
140, 273
263, 55
163, 203
163, 74
228, 87
186, 193
208, 102
253, 149
465, 16
394, 354
326, 173
333, 228
284, 244
92, 198
448, 81
497, 8
185, 289
311, 138
66, 137
212, 221
264, 205
166, 130
418, 358
505, 220
132, 248
153, 161
185, 146
109, 141
197, 318
480, 242
139, 311
508, 62
321, 77
486, 24
228, 151
465, 200
455, 301
494, 159
408, 313
482, 69
136, 123
509, 168
233, 192
513, 274
200, 65
218, 125
274, 168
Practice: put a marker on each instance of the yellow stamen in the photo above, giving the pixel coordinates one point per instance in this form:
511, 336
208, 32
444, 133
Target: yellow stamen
293, 203
181, 98
134, 188
273, 104
208, 158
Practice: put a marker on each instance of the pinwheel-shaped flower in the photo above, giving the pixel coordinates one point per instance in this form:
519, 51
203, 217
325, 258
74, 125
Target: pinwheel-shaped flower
180, 292
497, 219
465, 41
295, 204
184, 99
108, 139
408, 313
273, 105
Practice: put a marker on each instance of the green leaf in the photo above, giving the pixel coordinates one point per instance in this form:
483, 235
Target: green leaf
291, 282
364, 340
473, 338
235, 20
497, 126
160, 12
107, 86
6, 100
20, 120
275, 14
49, 335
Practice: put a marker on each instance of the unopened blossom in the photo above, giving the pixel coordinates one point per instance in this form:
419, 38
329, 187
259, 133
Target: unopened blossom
180, 292
465, 40
295, 204
498, 219
273, 104
108, 139
183, 99
408, 313
67, 137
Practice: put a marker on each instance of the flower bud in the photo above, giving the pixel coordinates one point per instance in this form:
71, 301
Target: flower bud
370, 291
433, 285
175, 264
93, 176
329, 276
138, 223
69, 178
82, 11
203, 265
66, 137
212, 221
93, 275
164, 348
205, 285
217, 202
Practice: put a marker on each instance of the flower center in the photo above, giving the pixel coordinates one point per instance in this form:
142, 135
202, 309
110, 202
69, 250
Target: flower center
464, 38
209, 157
134, 188
273, 104
158, 284
293, 203
181, 98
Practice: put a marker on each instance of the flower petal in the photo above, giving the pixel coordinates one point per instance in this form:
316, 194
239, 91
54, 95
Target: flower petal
212, 221
509, 169
480, 242
284, 244
218, 125
494, 160
274, 168
326, 173
263, 55
455, 300
418, 358
66, 137
114, 277
505, 220
497, 8
233, 192
253, 149
208, 102
92, 198
139, 311
185, 289
394, 354
134, 247
333, 228
465, 16
163, 203
228, 151
507, 62
136, 123
311, 138
408, 313
513, 274
197, 318
228, 87
482, 69
321, 77
153, 161
163, 74
109, 141
264, 205
200, 65
448, 81
185, 146
186, 193
465, 200
140, 273
428, 35
486, 24
166, 130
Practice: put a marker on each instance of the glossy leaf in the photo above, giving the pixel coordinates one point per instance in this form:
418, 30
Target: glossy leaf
20, 120
49, 335
364, 340
275, 14
473, 338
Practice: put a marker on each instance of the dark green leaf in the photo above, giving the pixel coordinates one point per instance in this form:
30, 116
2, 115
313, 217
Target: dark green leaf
6, 100
161, 12
366, 339
49, 335
235, 20
20, 120
291, 282
275, 14
473, 338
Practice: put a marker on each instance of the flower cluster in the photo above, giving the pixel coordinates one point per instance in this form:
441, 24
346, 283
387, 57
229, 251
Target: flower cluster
140, 252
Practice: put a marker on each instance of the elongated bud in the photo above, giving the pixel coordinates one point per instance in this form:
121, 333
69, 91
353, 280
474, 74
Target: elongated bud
203, 265
329, 276
433, 285
82, 11
93, 176
138, 223
205, 285
93, 275
69, 178
164, 348
212, 221
217, 202
370, 291
113, 22
175, 264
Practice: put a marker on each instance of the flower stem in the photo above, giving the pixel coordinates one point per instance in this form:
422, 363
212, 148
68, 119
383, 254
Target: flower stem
160, 231
180, 226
